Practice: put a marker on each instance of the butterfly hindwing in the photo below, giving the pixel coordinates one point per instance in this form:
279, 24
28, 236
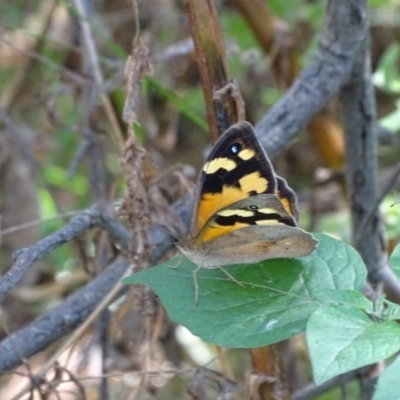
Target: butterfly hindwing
287, 197
278, 241
260, 210
249, 231
236, 169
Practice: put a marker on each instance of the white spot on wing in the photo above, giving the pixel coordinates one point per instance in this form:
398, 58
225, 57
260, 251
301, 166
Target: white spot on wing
240, 213
267, 210
268, 222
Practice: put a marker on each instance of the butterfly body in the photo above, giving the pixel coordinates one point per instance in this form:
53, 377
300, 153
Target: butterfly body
243, 212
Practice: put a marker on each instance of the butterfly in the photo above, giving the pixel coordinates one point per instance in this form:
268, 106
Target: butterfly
243, 212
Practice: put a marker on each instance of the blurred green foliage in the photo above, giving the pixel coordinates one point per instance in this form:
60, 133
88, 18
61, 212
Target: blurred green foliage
387, 79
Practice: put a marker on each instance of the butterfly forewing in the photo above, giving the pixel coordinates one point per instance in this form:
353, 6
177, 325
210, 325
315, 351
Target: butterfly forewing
236, 169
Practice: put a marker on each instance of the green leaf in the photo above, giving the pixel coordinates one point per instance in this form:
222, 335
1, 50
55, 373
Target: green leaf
391, 121
278, 297
385, 309
394, 261
388, 387
179, 103
392, 311
56, 176
386, 76
343, 338
352, 298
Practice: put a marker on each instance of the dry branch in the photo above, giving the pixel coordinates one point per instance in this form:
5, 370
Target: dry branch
25, 258
61, 321
48, 328
328, 70
359, 118
212, 65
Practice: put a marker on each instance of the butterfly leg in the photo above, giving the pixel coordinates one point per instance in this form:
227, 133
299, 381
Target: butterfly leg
196, 286
231, 277
177, 264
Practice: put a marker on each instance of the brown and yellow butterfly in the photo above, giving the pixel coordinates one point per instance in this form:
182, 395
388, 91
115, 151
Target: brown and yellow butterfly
243, 212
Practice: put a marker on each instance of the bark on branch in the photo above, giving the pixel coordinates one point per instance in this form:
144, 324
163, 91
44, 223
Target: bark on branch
26, 257
329, 69
61, 321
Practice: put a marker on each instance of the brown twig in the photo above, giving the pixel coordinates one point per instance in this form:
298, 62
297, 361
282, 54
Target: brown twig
93, 305
9, 95
93, 57
275, 38
269, 380
73, 76
212, 65
25, 258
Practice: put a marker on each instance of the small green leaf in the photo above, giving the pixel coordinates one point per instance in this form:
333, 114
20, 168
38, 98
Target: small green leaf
352, 298
278, 297
385, 309
343, 338
180, 104
386, 76
391, 121
394, 261
388, 387
379, 305
392, 311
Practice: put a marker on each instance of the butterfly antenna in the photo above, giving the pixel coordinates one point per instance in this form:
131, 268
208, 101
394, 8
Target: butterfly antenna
178, 263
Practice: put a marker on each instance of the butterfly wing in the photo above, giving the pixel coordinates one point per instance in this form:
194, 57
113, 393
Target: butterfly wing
236, 169
264, 210
254, 229
287, 197
281, 241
